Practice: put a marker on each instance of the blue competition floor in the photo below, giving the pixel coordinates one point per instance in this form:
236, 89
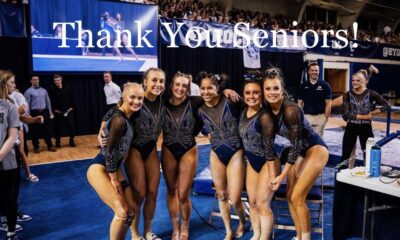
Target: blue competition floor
80, 64
63, 206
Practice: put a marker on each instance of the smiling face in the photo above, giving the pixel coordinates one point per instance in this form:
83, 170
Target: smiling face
252, 94
154, 82
358, 81
273, 91
180, 87
133, 97
313, 72
208, 90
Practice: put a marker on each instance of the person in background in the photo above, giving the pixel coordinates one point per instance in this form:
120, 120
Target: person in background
63, 108
315, 97
20, 155
111, 90
34, 32
58, 31
9, 172
359, 106
22, 106
194, 88
39, 104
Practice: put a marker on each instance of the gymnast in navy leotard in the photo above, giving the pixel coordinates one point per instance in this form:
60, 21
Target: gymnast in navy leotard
221, 121
143, 165
252, 126
181, 124
148, 126
105, 174
220, 117
288, 121
359, 106
179, 152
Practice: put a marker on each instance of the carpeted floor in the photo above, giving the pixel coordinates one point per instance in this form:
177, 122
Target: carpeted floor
63, 206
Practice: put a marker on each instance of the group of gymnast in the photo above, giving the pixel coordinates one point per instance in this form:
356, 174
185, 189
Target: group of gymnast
242, 131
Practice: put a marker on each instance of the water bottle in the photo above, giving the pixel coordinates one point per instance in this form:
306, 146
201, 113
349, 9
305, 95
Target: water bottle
375, 162
370, 143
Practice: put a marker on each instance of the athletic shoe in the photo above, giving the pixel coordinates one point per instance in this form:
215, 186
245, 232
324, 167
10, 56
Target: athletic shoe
152, 236
32, 178
4, 227
12, 236
21, 217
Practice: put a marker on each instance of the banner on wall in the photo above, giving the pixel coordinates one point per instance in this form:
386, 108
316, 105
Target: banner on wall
181, 32
251, 57
222, 36
363, 50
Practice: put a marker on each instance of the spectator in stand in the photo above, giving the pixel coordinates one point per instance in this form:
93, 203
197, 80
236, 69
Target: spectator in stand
212, 12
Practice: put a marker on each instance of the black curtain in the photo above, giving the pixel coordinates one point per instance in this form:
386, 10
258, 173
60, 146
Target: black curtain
88, 88
230, 61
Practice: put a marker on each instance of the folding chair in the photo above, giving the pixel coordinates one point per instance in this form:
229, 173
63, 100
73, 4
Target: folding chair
315, 201
215, 210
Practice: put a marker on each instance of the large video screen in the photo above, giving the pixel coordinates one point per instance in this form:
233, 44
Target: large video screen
93, 36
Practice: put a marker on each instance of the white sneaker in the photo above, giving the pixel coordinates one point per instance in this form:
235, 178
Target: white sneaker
152, 236
32, 178
4, 227
12, 236
21, 217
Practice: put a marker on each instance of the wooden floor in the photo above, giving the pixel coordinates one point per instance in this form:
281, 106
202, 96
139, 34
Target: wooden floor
86, 146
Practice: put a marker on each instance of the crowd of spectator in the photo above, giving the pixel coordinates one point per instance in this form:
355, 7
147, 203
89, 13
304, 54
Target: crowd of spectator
382, 37
213, 12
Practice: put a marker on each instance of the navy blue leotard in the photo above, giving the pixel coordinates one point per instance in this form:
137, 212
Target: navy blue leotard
147, 126
221, 121
181, 125
291, 124
251, 132
119, 133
